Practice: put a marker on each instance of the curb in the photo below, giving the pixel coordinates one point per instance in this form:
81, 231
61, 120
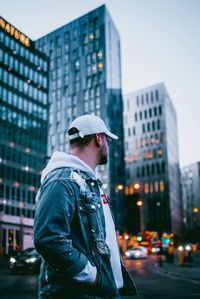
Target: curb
167, 272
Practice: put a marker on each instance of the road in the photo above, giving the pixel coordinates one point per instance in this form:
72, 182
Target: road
151, 283
154, 284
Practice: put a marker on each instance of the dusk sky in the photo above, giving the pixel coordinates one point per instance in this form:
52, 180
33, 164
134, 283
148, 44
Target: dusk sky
160, 42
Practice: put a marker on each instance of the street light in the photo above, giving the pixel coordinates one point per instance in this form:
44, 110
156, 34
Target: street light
195, 210
136, 186
139, 203
119, 187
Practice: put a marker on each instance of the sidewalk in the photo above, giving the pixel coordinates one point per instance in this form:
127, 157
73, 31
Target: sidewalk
184, 271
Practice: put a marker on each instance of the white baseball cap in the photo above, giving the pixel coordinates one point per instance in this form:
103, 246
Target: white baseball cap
88, 125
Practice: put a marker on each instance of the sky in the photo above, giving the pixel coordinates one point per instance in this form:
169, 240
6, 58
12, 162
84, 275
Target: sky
160, 42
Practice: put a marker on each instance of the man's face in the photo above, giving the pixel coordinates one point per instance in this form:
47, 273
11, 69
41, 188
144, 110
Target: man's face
104, 149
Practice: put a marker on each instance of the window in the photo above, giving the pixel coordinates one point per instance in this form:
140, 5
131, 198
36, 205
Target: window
146, 188
163, 167
147, 170
147, 98
150, 112
143, 128
135, 116
153, 125
160, 110
162, 186
152, 98
157, 96
142, 99
159, 152
155, 111
137, 98
156, 186
158, 124
158, 168
143, 171
152, 169
140, 115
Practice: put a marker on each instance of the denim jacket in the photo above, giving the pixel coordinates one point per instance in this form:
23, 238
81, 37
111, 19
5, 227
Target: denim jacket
69, 230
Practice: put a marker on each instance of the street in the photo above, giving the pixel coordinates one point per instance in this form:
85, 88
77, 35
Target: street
152, 283
155, 284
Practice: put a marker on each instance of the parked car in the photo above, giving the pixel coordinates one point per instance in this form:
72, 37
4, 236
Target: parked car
137, 252
27, 259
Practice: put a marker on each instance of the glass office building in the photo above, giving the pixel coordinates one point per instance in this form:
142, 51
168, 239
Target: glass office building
23, 134
85, 78
152, 161
190, 182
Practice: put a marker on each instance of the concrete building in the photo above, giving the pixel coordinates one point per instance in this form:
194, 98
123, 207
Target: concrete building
23, 134
85, 78
152, 161
190, 181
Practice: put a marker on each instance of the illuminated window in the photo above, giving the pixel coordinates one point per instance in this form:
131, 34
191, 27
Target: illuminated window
126, 191
135, 157
131, 190
150, 154
156, 186
100, 65
99, 54
144, 155
151, 187
91, 36
162, 186
146, 188
159, 152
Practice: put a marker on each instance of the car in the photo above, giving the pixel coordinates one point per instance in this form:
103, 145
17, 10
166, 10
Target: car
155, 249
28, 260
136, 252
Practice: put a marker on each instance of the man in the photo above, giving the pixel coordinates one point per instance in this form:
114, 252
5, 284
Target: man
74, 229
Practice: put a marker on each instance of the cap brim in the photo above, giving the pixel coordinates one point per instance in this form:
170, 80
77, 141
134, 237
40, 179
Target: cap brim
111, 135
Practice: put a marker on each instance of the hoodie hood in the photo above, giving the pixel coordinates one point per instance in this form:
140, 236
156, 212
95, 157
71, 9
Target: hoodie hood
61, 159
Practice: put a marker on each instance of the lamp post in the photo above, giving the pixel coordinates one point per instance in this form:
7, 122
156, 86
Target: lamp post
140, 205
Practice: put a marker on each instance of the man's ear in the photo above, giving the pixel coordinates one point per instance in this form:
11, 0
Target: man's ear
98, 139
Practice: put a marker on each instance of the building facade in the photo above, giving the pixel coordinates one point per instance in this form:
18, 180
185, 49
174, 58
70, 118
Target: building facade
152, 161
85, 78
23, 132
190, 182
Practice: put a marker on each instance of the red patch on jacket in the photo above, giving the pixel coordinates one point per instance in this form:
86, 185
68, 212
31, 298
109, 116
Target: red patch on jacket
104, 199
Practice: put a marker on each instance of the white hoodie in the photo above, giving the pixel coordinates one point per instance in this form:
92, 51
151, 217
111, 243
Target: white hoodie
88, 274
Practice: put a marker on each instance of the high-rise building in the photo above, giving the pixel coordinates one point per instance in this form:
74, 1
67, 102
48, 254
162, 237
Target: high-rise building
190, 181
23, 134
152, 161
85, 78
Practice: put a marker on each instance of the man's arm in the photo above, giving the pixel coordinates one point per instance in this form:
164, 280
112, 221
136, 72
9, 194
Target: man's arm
54, 213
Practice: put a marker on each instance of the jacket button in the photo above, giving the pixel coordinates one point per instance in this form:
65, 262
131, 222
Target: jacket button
92, 184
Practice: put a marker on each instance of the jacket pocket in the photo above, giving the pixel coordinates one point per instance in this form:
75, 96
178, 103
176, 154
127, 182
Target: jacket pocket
90, 218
